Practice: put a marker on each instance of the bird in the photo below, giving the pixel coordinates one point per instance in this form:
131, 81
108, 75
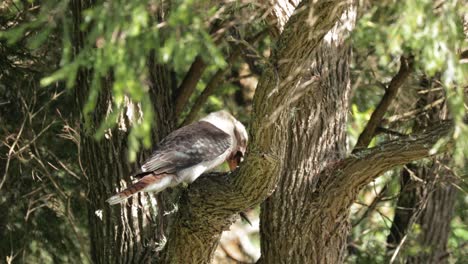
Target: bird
186, 153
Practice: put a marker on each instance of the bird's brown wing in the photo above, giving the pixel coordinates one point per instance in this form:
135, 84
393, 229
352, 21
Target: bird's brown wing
186, 147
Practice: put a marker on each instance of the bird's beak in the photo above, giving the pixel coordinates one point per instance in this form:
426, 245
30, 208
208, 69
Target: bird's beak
235, 160
232, 164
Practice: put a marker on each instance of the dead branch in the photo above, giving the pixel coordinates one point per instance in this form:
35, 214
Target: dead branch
188, 85
406, 65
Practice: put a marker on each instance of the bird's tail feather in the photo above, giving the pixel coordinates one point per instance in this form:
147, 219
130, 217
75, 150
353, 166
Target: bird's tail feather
147, 182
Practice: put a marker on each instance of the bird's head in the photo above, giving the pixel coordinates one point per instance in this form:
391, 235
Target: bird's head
229, 124
238, 153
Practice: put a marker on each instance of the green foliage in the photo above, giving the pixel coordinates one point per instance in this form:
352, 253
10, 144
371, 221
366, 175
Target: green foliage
434, 35
357, 125
458, 237
120, 36
44, 213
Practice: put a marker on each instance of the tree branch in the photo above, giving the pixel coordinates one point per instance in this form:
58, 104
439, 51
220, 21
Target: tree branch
413, 113
188, 85
389, 132
280, 13
390, 94
211, 203
210, 87
371, 207
217, 78
359, 169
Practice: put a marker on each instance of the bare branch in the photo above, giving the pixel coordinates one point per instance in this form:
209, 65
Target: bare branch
371, 207
214, 82
217, 78
188, 85
11, 152
390, 94
389, 132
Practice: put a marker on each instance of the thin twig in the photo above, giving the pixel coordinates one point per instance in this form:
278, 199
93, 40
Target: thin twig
373, 205
390, 132
65, 167
413, 112
23, 148
397, 250
11, 152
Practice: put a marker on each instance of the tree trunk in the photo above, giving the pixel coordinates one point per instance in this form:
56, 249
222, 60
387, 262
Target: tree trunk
428, 204
122, 233
435, 222
292, 230
322, 198
210, 204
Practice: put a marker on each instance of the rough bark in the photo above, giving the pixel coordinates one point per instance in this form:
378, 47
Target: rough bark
210, 204
435, 222
290, 231
280, 13
305, 220
340, 183
118, 234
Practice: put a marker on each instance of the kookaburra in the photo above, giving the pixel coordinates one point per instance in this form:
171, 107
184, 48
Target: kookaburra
189, 151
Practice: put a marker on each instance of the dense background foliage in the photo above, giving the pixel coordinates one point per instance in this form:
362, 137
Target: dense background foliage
43, 199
